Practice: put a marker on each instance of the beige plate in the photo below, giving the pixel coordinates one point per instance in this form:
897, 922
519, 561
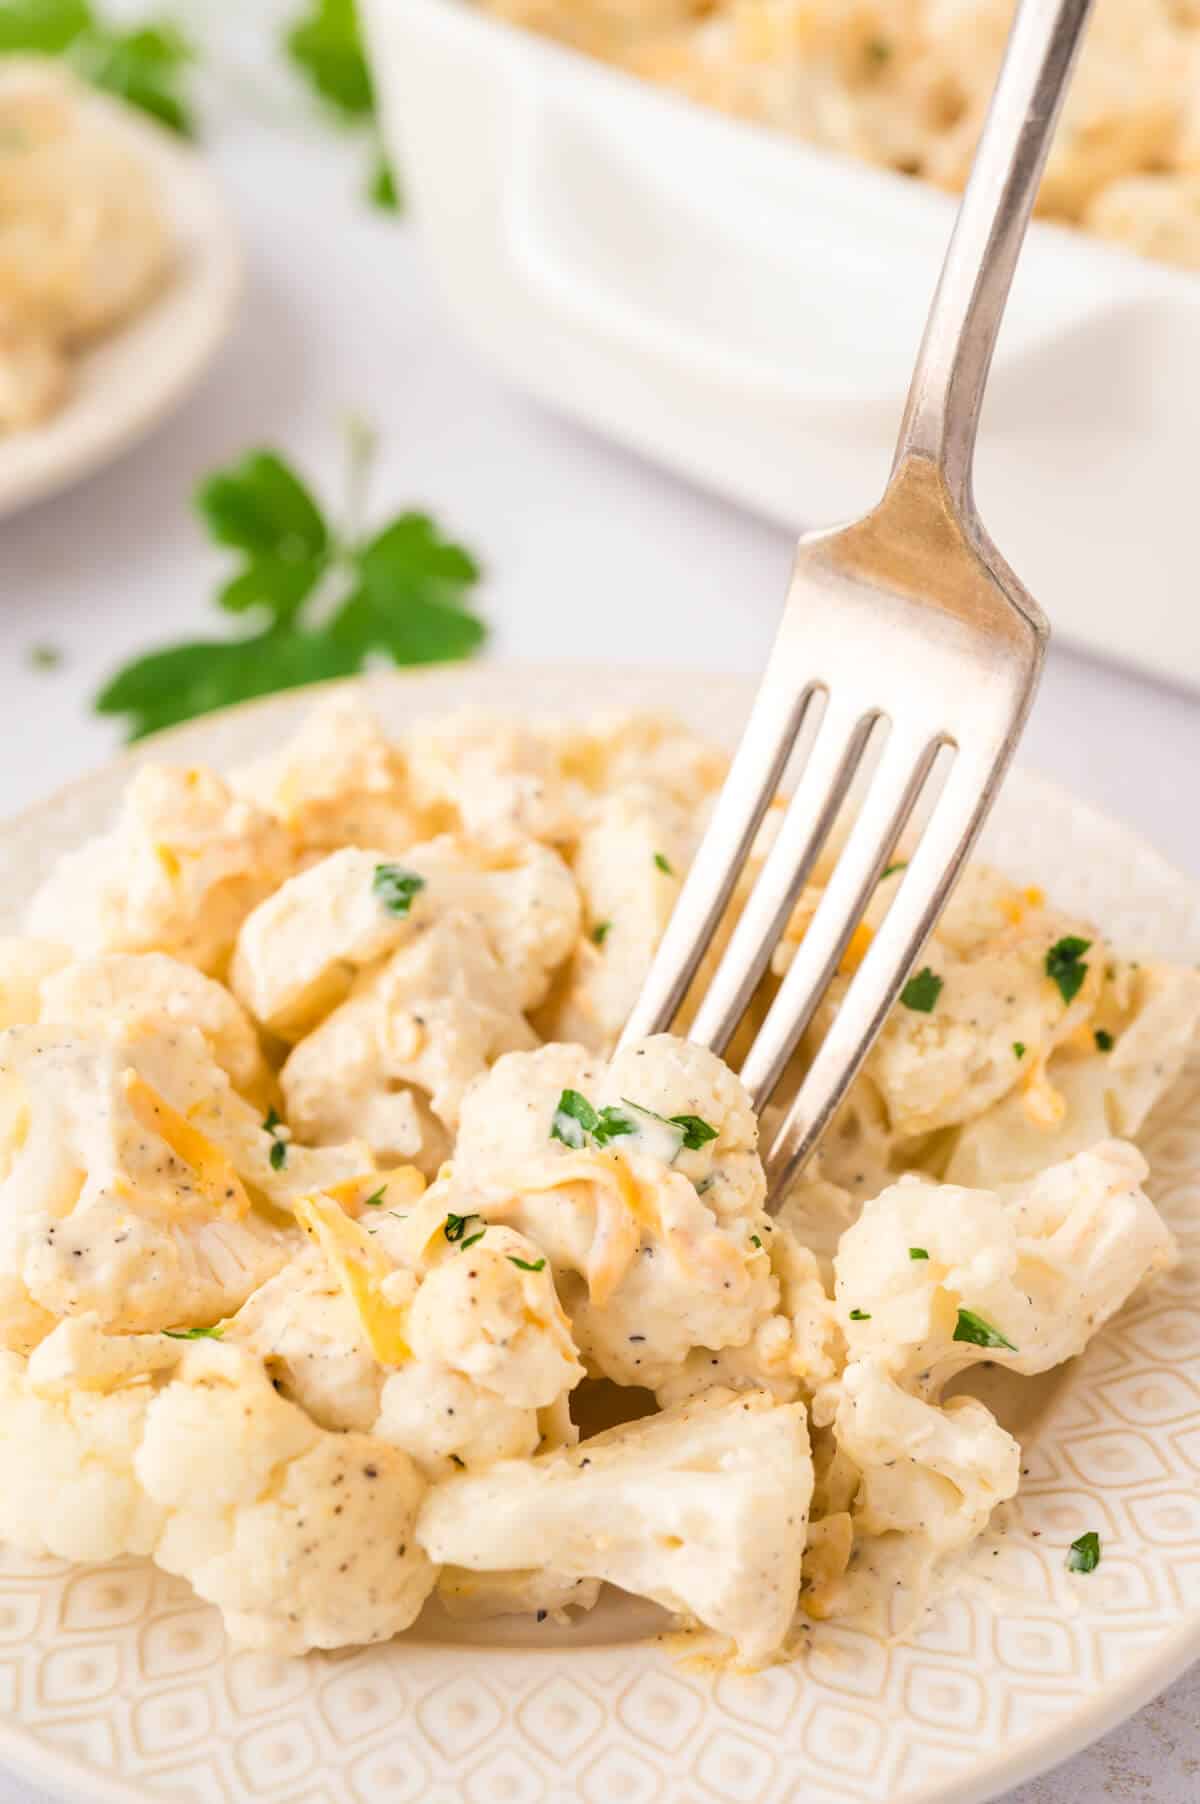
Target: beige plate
116, 1684
127, 382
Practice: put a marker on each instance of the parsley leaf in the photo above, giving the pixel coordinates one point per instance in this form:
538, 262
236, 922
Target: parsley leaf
890, 870
455, 1226
402, 592
917, 1253
1063, 965
1104, 1040
1019, 1048
471, 1239
973, 1328
194, 1333
1084, 1555
574, 1119
600, 932
859, 1315
756, 1242
922, 991
279, 1147
664, 864
524, 1265
141, 66
396, 887
696, 1133
325, 44
376, 1201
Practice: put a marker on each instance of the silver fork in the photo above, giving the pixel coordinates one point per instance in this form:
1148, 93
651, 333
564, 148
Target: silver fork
907, 627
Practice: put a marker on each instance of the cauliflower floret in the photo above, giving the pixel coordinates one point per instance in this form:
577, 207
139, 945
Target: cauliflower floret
339, 782
393, 1061
1022, 1277
179, 872
792, 1352
1108, 1077
485, 775
938, 1066
149, 992
476, 1596
302, 1538
703, 1509
299, 952
928, 1470
454, 1348
137, 1184
633, 853
651, 1224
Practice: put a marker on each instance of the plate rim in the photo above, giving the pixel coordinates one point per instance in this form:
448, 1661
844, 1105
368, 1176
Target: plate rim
214, 274
34, 1760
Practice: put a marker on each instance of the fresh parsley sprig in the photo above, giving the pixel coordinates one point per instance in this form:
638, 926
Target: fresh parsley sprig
1065, 967
325, 44
980, 1333
144, 65
326, 601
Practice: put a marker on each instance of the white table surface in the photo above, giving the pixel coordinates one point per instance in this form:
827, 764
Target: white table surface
588, 552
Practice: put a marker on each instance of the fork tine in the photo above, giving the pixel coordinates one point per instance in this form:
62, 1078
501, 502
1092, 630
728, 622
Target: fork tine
895, 787
943, 848
832, 764
754, 778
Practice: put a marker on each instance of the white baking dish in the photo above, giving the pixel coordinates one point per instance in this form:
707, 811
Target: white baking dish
746, 310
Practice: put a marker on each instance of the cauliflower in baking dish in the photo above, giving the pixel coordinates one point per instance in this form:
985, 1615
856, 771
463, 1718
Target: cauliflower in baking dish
344, 1263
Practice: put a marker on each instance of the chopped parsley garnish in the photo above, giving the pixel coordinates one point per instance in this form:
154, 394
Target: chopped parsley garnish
455, 1226
600, 932
1084, 1555
279, 1147
376, 1201
696, 1133
973, 1328
524, 1265
396, 887
194, 1333
1104, 1040
663, 863
860, 1315
471, 1239
755, 1241
922, 991
314, 597
575, 1121
1019, 1049
1063, 964
890, 870
917, 1253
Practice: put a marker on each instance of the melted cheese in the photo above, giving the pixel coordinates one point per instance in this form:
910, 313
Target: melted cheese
216, 1178
361, 1269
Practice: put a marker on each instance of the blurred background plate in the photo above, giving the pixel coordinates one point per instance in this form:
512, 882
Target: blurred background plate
125, 383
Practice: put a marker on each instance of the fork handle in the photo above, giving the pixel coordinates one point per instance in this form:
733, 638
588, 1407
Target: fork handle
942, 413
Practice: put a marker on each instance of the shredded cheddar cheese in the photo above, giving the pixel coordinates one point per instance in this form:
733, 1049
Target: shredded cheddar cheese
216, 1178
360, 1267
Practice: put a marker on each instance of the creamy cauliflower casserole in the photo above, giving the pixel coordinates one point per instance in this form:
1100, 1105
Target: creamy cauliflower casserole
84, 240
906, 84
328, 1212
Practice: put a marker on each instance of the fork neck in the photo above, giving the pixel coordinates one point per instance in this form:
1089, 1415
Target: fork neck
941, 417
